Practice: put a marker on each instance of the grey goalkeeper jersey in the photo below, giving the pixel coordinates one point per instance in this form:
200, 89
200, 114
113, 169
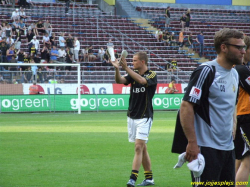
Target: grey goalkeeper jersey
215, 104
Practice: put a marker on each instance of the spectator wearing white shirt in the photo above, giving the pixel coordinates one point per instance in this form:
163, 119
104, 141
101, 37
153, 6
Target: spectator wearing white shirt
61, 54
15, 15
101, 53
35, 42
158, 35
3, 29
8, 31
76, 49
9, 41
46, 40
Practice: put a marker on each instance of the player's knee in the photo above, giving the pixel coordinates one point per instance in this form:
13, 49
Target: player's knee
246, 162
139, 147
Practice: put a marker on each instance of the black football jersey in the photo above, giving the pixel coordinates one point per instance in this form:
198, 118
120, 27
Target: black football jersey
140, 101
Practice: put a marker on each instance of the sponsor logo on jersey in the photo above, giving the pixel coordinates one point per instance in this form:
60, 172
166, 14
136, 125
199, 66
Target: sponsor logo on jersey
248, 80
221, 81
195, 92
138, 90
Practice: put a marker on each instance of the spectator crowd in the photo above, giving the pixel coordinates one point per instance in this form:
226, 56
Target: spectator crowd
29, 41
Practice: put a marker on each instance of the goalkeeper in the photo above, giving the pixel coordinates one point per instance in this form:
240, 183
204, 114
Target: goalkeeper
140, 112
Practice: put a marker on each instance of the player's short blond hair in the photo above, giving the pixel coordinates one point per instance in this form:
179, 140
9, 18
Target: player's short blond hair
142, 56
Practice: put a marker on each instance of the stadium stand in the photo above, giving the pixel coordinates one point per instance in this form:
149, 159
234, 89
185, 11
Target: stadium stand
207, 20
94, 27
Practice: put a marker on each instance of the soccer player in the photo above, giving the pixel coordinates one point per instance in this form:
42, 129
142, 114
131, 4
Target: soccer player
242, 146
208, 109
140, 112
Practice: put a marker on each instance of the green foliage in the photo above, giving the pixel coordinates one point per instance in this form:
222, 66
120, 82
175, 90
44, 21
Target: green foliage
91, 149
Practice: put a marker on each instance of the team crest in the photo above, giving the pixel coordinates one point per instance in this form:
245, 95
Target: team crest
248, 80
195, 93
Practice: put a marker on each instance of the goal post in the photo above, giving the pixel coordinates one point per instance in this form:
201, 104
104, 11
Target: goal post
59, 85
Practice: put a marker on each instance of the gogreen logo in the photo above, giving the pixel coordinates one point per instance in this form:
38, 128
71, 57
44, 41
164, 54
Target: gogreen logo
17, 104
167, 102
93, 103
21, 103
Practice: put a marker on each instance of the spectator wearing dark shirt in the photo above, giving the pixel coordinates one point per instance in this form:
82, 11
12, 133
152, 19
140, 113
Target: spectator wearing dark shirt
172, 39
40, 75
52, 39
106, 59
91, 55
70, 43
200, 41
3, 50
28, 75
14, 61
67, 3
188, 18
40, 27
69, 59
1, 67
45, 56
20, 58
26, 59
167, 17
29, 37
183, 20
165, 38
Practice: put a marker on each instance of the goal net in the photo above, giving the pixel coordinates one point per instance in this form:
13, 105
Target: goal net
33, 87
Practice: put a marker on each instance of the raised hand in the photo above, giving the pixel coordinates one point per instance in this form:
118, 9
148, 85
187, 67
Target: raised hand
123, 63
114, 63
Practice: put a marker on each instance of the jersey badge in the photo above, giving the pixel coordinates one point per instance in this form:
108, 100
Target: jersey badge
248, 80
234, 88
195, 92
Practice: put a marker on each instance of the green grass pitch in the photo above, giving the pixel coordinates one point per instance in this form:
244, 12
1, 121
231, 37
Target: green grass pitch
91, 149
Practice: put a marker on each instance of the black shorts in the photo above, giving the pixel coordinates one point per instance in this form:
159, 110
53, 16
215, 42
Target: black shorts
219, 166
243, 123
